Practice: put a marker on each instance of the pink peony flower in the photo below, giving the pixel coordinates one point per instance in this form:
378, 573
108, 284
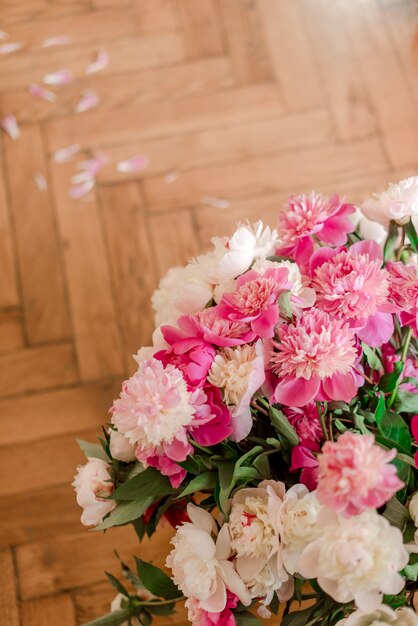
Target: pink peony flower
255, 300
304, 216
351, 285
355, 474
314, 360
403, 291
222, 332
304, 459
188, 351
200, 617
306, 423
212, 422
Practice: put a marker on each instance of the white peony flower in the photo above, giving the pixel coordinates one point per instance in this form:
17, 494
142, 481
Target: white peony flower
120, 447
239, 372
154, 405
234, 256
182, 290
254, 540
298, 524
199, 562
358, 558
413, 508
369, 229
147, 352
383, 616
399, 202
93, 485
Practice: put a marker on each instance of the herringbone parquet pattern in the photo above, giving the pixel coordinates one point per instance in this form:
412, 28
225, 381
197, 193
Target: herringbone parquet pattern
235, 103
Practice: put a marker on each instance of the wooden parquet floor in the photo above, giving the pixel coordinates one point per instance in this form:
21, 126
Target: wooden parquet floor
235, 103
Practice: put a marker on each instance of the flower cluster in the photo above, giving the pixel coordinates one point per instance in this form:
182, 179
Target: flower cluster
280, 393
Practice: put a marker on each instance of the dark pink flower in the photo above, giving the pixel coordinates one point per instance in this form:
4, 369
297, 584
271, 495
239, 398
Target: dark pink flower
304, 459
314, 360
306, 423
255, 300
355, 474
351, 285
304, 216
199, 617
212, 421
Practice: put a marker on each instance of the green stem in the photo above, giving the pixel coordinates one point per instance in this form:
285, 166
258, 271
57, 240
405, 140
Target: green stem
162, 603
201, 448
321, 416
401, 245
405, 347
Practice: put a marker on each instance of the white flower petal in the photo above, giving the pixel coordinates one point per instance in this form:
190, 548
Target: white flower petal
134, 164
10, 126
79, 191
57, 40
40, 181
40, 92
217, 203
60, 77
8, 48
234, 583
66, 154
102, 61
88, 101
201, 518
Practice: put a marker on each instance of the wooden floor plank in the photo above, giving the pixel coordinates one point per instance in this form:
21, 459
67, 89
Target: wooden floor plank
132, 89
174, 239
52, 413
39, 258
156, 16
291, 54
58, 609
212, 147
8, 276
167, 118
11, 330
35, 369
92, 305
132, 266
346, 92
201, 27
246, 40
126, 55
299, 170
9, 605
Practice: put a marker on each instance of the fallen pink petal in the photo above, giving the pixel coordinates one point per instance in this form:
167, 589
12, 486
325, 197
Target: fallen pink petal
59, 40
102, 61
94, 165
40, 92
66, 154
217, 203
171, 177
8, 48
134, 164
79, 191
89, 100
82, 177
60, 77
40, 182
10, 126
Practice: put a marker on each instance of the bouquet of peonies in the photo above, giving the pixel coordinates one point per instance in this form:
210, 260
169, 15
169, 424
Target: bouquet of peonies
274, 424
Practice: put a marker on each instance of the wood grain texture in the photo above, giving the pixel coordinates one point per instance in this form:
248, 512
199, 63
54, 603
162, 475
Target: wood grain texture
234, 104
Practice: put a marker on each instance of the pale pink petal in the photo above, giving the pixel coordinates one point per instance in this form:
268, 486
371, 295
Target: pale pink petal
40, 181
58, 40
93, 166
201, 518
297, 392
10, 126
102, 61
81, 177
217, 203
378, 329
223, 544
134, 164
78, 191
8, 48
217, 601
40, 92
170, 177
60, 77
368, 247
66, 154
241, 422
234, 582
89, 100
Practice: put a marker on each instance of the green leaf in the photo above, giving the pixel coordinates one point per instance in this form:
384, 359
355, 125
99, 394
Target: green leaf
226, 483
117, 584
92, 450
245, 618
372, 359
262, 465
111, 619
391, 240
406, 402
299, 618
156, 581
388, 381
282, 425
147, 484
394, 428
125, 512
412, 235
396, 513
161, 609
411, 571
207, 480
145, 617
279, 258
285, 305
275, 604
395, 601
